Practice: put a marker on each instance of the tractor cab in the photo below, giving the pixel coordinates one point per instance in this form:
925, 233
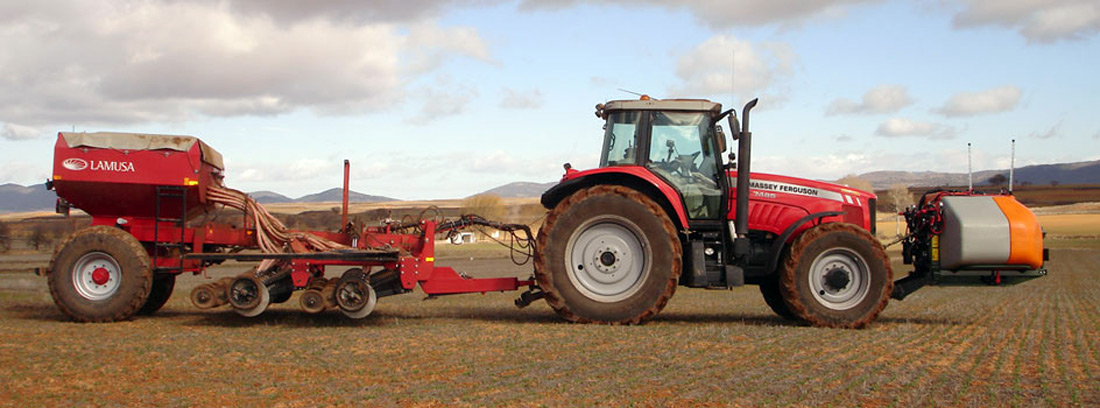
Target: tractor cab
674, 139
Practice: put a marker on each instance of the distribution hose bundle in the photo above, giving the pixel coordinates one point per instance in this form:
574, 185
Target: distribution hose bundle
271, 235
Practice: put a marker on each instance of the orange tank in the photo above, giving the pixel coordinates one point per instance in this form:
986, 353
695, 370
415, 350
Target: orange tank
989, 232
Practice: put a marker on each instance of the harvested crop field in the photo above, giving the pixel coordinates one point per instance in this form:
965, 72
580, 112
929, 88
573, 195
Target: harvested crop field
1037, 343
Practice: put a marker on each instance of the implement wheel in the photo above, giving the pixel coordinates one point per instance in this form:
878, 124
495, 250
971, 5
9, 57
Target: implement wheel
354, 295
248, 296
100, 274
836, 275
158, 294
608, 254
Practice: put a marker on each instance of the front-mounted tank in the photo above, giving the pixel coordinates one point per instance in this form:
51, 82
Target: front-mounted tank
984, 233
966, 237
110, 174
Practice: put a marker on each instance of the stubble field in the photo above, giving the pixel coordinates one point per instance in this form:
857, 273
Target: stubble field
1034, 344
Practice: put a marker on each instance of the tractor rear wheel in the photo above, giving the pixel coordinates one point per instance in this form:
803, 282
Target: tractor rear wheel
774, 298
100, 274
608, 254
158, 294
836, 275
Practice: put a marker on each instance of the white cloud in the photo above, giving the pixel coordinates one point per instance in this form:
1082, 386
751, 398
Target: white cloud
900, 127
12, 131
1042, 21
24, 172
880, 99
347, 11
514, 99
723, 62
1000, 99
297, 170
107, 63
1053, 132
442, 100
725, 14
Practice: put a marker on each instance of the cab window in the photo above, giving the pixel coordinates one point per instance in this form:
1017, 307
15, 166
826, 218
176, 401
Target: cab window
620, 139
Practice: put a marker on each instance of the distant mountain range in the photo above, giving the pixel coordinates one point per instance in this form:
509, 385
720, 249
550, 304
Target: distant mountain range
16, 198
332, 194
520, 189
1063, 173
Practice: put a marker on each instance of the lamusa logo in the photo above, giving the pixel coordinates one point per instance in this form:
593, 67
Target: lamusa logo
74, 164
104, 165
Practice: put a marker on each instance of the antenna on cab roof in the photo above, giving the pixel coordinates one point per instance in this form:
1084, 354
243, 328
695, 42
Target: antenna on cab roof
641, 96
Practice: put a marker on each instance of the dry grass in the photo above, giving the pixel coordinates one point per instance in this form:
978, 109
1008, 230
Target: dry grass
1067, 222
1037, 343
296, 208
1034, 344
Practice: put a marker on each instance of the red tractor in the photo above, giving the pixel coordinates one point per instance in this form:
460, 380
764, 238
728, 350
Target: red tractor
662, 211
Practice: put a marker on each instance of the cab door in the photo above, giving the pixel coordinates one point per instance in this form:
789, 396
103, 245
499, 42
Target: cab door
682, 151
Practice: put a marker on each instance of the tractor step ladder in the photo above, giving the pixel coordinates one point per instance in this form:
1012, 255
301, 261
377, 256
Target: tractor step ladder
168, 195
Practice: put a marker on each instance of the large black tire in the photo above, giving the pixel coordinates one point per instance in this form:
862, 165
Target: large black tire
608, 254
769, 287
100, 274
836, 275
163, 285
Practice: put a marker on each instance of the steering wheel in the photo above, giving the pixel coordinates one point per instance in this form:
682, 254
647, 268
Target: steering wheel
685, 163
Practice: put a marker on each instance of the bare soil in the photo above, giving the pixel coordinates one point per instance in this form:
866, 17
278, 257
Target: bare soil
1037, 343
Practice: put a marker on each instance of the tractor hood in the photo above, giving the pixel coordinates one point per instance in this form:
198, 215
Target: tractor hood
763, 183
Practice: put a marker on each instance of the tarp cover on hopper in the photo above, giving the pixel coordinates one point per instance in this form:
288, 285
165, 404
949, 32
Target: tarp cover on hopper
143, 141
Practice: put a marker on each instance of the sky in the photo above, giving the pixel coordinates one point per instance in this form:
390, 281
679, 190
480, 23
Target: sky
447, 98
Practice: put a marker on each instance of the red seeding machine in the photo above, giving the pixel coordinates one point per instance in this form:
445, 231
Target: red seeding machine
664, 209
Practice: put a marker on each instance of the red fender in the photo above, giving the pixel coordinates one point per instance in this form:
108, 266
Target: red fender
630, 176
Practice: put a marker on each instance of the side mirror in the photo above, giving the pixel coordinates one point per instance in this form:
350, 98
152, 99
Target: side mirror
735, 125
721, 138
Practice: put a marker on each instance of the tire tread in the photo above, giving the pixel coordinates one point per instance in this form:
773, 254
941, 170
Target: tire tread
545, 279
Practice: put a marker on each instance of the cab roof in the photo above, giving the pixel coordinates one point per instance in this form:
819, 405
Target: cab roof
692, 105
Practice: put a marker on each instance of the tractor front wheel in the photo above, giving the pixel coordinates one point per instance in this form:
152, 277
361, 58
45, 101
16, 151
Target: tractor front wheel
836, 275
100, 274
608, 254
774, 298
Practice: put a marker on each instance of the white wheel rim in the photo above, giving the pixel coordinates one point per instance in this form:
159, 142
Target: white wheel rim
839, 278
96, 276
372, 300
261, 306
607, 259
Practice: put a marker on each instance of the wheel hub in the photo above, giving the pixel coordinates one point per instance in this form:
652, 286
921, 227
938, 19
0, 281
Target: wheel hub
100, 276
244, 293
836, 279
607, 259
